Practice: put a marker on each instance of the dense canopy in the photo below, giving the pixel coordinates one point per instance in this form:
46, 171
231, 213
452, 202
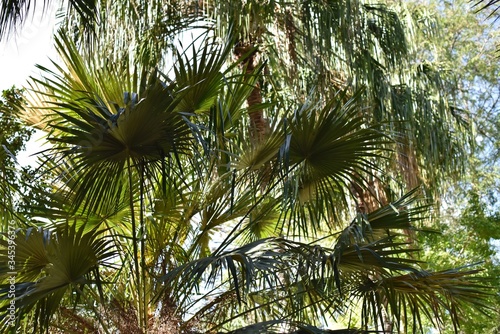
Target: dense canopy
241, 167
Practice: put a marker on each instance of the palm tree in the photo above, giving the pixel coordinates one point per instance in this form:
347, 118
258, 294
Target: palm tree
160, 220
304, 45
201, 218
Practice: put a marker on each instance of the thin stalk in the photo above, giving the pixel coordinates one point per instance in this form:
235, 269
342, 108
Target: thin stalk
142, 231
90, 303
134, 243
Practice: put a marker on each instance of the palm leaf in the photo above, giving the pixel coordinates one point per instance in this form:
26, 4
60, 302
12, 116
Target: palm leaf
329, 147
105, 137
200, 76
49, 263
14, 13
248, 258
488, 5
438, 296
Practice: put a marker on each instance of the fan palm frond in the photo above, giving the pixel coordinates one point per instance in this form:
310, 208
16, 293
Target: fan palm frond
14, 13
49, 263
302, 278
488, 5
330, 147
201, 74
439, 297
107, 129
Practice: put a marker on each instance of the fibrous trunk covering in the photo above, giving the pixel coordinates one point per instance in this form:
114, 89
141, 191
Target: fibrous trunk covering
259, 126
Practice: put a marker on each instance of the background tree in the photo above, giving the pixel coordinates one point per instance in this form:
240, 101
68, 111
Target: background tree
13, 137
464, 45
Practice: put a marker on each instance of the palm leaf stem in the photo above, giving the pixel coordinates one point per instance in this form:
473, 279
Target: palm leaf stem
270, 303
232, 236
198, 315
91, 303
134, 241
142, 232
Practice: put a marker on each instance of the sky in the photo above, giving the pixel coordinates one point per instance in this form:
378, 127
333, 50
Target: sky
32, 44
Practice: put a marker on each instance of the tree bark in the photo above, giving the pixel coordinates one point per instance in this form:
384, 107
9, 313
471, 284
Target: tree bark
259, 125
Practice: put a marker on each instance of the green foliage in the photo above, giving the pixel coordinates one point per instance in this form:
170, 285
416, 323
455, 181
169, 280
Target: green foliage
464, 240
13, 137
14, 134
50, 264
464, 45
158, 212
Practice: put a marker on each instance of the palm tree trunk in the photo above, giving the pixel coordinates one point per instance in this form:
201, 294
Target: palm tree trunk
369, 198
259, 126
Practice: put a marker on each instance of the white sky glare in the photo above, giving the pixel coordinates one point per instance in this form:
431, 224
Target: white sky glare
31, 45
